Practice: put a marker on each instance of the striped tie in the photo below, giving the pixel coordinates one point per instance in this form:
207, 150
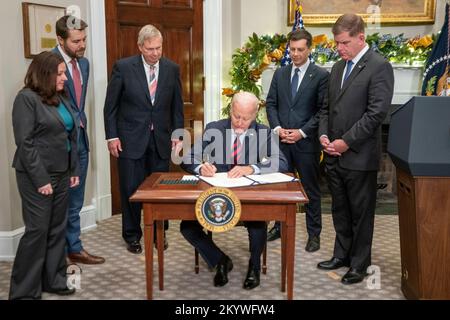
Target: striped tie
236, 154
152, 83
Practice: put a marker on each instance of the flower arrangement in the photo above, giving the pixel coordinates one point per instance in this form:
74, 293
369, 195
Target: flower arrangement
259, 52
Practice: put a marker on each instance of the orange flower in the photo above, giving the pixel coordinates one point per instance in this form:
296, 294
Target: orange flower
319, 39
228, 92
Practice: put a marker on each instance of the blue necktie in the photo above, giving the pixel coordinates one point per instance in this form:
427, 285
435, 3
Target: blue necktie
294, 83
349, 69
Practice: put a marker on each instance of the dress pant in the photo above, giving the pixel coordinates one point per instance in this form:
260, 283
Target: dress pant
211, 253
76, 199
132, 172
40, 259
353, 210
307, 164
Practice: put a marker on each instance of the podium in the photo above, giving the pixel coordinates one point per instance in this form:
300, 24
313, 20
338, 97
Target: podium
419, 145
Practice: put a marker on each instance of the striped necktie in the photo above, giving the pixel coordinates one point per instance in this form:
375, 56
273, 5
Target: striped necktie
152, 83
237, 148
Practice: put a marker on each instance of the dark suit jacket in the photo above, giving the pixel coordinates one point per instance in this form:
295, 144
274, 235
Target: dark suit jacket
129, 112
260, 148
355, 112
301, 112
41, 139
79, 111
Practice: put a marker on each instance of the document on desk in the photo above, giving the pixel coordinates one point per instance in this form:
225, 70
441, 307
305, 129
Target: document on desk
221, 180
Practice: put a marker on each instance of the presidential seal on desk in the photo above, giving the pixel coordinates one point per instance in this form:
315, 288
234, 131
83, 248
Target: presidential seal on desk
218, 209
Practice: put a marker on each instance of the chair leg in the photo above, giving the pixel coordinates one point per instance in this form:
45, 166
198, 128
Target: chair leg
196, 262
264, 266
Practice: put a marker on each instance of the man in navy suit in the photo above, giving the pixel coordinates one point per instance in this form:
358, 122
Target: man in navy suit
359, 96
259, 153
296, 95
71, 36
143, 107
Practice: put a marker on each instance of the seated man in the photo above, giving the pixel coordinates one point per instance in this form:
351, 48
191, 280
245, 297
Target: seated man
239, 146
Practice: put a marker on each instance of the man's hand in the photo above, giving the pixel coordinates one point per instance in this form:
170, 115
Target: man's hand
328, 147
46, 190
74, 182
240, 171
340, 146
177, 144
291, 136
208, 170
114, 147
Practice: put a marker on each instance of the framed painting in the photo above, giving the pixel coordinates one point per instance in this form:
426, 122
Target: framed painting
39, 27
387, 12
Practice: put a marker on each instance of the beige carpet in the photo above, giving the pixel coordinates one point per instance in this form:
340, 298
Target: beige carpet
122, 276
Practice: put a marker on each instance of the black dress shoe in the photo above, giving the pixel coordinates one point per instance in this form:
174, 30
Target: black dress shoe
252, 279
134, 247
334, 263
313, 244
224, 266
353, 276
63, 292
273, 234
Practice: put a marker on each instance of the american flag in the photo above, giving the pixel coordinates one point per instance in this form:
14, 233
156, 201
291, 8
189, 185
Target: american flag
298, 24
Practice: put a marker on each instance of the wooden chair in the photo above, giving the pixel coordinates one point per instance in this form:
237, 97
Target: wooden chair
264, 260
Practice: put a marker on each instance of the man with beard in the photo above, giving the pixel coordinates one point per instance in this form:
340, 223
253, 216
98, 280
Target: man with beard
71, 36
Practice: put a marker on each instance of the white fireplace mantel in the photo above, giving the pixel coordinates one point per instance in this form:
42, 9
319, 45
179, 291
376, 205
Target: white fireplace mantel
408, 81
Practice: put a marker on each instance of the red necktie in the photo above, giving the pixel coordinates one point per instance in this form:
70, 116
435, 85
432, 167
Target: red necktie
236, 154
76, 81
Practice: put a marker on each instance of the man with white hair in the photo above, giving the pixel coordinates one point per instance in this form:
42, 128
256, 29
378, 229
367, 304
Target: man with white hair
239, 146
143, 106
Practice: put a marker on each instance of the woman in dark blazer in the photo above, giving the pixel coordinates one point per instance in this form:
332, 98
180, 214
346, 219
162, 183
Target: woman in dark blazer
46, 166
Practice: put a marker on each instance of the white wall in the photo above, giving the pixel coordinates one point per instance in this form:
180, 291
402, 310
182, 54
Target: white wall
13, 66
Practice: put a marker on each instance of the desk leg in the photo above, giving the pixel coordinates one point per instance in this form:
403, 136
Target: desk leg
283, 256
160, 248
290, 249
148, 240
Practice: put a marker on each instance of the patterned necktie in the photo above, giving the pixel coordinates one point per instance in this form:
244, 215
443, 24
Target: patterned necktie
294, 83
76, 81
152, 83
349, 69
236, 154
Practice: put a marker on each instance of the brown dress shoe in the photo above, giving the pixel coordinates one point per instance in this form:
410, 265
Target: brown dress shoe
85, 258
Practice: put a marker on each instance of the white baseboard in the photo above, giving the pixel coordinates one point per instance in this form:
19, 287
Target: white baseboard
9, 241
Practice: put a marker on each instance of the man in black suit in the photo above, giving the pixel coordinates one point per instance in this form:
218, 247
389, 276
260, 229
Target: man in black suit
143, 107
296, 95
359, 96
255, 151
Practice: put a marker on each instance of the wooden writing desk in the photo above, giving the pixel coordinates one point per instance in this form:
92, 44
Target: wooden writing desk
177, 202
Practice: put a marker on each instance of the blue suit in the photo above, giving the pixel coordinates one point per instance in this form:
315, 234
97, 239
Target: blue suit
301, 112
274, 161
76, 195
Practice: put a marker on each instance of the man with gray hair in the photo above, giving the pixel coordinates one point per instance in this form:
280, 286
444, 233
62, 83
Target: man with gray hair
239, 146
143, 106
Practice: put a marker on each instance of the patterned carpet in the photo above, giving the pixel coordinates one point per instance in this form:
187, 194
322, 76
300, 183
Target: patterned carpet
122, 276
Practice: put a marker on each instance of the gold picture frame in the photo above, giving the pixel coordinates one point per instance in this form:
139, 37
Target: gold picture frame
392, 12
39, 27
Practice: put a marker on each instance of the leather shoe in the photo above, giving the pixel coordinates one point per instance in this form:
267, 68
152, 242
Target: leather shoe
84, 257
134, 247
334, 263
353, 276
223, 267
63, 292
252, 279
273, 234
313, 244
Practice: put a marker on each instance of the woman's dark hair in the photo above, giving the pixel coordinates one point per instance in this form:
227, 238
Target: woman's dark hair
41, 76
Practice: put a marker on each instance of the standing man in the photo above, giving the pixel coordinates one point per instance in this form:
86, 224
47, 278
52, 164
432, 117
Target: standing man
252, 151
359, 96
71, 34
296, 95
143, 106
